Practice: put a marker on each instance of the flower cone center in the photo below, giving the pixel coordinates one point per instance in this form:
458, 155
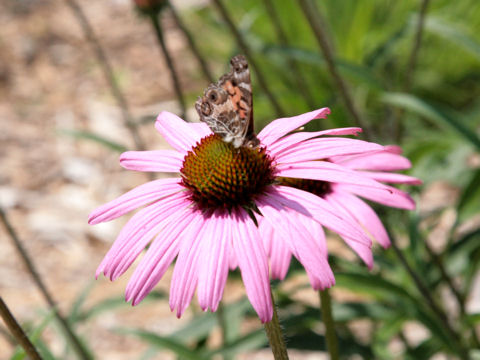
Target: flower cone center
317, 187
222, 176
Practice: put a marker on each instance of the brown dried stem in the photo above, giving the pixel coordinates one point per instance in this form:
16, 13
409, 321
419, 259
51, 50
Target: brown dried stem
157, 27
410, 70
18, 332
77, 345
107, 72
193, 45
314, 18
246, 50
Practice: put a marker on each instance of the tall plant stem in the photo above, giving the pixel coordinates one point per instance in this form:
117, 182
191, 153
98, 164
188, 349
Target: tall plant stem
315, 19
82, 353
223, 327
168, 59
449, 281
18, 332
327, 316
425, 293
275, 336
107, 72
192, 44
412, 60
411, 65
292, 64
246, 50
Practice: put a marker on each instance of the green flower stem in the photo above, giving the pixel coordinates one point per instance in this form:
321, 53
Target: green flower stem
223, 326
330, 335
275, 336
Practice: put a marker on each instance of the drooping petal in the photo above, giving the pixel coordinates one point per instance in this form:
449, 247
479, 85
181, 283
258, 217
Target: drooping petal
159, 256
394, 149
138, 232
288, 141
382, 161
276, 249
178, 133
392, 178
300, 242
139, 196
326, 171
361, 212
213, 268
280, 127
185, 273
157, 160
316, 149
320, 210
252, 262
396, 198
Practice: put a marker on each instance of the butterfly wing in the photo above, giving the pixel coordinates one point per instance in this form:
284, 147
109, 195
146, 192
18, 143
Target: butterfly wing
226, 107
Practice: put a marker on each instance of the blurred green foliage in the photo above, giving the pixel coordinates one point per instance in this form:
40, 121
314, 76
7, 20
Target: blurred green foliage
439, 120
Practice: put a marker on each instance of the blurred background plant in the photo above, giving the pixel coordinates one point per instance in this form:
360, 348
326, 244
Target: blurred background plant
82, 82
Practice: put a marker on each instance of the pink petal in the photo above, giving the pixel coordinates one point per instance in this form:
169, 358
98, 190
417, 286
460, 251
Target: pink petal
138, 232
320, 210
394, 149
382, 161
361, 212
296, 138
326, 171
392, 178
232, 261
280, 127
276, 249
299, 240
158, 160
213, 269
139, 196
201, 129
396, 198
252, 261
185, 273
316, 149
178, 133
159, 256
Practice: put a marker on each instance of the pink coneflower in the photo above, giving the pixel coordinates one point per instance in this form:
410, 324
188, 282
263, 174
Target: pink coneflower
227, 199
343, 199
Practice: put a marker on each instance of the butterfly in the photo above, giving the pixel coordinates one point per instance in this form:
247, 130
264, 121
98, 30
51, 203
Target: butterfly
226, 106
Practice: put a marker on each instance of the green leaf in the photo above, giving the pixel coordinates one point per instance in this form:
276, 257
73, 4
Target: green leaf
86, 135
79, 301
372, 285
165, 342
455, 35
251, 341
470, 198
355, 71
113, 302
416, 105
198, 327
